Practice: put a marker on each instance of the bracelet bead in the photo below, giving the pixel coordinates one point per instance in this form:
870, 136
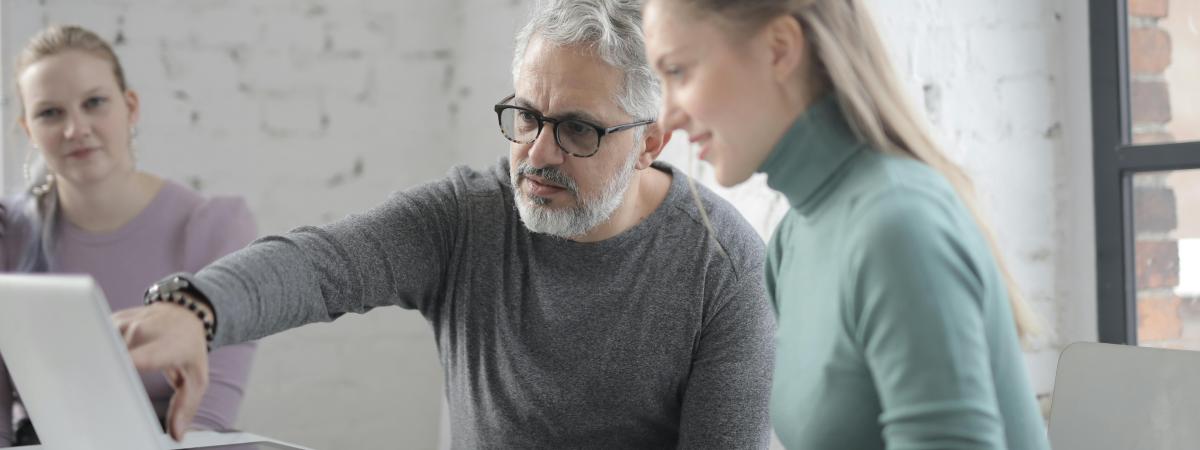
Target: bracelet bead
172, 291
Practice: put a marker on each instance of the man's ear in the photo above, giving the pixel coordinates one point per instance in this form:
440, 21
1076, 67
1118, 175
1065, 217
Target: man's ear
655, 141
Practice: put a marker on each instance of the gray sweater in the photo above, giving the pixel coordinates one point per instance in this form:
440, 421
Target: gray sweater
651, 339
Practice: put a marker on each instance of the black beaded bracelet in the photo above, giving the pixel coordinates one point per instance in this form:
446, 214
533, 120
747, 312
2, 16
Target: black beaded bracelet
172, 291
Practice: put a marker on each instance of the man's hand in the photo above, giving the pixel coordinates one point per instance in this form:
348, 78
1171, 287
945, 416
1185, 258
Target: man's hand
170, 338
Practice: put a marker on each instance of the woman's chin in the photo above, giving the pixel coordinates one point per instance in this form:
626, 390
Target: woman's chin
730, 178
87, 176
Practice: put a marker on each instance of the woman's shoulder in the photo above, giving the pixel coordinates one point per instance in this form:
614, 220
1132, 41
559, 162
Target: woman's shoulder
893, 187
903, 200
215, 225
222, 211
205, 210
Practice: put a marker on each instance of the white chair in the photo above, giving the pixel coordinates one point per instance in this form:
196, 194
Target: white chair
1123, 397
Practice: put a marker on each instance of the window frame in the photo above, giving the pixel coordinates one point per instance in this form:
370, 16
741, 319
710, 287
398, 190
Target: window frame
1116, 161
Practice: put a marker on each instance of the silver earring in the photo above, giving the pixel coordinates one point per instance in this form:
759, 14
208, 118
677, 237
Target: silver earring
45, 187
47, 184
28, 167
133, 134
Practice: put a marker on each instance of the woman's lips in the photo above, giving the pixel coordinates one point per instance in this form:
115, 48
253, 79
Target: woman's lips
81, 153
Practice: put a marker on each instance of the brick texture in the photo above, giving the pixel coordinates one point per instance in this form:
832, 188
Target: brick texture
1149, 102
1148, 8
1149, 50
1156, 264
1154, 209
1158, 319
1156, 260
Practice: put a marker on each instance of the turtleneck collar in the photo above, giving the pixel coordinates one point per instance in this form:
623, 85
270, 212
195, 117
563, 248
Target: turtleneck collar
810, 153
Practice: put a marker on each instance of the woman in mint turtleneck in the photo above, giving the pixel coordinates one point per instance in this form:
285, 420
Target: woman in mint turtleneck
898, 325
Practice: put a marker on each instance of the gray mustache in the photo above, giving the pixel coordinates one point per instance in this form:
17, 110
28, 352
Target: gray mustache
550, 174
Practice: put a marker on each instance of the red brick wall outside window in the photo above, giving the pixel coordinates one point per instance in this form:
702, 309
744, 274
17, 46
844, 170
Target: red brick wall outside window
1161, 33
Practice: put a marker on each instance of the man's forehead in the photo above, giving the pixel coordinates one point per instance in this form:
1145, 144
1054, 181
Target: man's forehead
584, 106
555, 79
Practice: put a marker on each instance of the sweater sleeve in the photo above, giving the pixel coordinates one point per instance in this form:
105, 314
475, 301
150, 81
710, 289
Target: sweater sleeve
917, 309
725, 403
728, 391
393, 254
220, 226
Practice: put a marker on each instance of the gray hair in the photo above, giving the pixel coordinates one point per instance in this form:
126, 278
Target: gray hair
613, 29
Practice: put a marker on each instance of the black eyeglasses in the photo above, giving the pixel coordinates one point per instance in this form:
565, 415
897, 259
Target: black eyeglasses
574, 136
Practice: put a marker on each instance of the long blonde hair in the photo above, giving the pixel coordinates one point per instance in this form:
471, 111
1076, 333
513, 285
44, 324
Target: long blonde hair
854, 63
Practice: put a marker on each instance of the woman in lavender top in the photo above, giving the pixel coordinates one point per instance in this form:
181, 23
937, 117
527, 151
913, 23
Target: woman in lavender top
88, 210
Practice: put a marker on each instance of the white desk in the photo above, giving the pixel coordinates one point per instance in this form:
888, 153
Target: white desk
210, 438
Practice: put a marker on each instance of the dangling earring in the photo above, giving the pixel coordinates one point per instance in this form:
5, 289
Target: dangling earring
43, 188
133, 134
28, 167
47, 184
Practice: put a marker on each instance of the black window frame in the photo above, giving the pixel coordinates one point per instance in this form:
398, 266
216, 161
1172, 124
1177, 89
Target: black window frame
1116, 161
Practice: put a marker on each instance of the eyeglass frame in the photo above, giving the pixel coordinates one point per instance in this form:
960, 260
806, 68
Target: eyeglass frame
542, 120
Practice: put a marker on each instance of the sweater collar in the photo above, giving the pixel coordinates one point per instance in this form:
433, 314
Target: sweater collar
810, 153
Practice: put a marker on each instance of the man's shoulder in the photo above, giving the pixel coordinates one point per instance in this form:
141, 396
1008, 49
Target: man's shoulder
460, 184
463, 191
688, 196
475, 182
732, 231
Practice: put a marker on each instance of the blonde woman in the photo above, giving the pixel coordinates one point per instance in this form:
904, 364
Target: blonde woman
88, 209
898, 325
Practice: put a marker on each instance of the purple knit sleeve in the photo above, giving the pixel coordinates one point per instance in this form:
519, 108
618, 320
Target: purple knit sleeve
218, 227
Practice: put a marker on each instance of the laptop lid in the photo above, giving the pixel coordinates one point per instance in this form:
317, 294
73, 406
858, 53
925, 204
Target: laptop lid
71, 367
1123, 397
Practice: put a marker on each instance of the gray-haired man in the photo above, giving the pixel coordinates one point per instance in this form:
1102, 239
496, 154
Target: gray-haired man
577, 298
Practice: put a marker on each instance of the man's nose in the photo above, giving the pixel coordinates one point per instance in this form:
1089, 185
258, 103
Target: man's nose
544, 151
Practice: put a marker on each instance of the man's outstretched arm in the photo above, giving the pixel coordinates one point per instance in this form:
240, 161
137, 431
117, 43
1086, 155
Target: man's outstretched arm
394, 254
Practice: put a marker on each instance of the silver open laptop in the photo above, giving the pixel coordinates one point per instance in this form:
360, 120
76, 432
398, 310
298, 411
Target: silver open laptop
1121, 397
72, 369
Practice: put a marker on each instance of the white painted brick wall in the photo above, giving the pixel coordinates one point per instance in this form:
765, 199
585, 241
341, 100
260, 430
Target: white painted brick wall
315, 109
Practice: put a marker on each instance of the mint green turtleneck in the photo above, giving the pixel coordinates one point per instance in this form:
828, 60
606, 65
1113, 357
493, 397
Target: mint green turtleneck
894, 325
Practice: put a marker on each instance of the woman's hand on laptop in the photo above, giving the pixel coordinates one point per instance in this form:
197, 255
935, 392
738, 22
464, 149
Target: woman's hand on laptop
167, 337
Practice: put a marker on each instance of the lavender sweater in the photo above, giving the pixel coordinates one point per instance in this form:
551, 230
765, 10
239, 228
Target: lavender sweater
178, 231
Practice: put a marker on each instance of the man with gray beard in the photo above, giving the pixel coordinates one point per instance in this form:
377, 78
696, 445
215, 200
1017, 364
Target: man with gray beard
577, 294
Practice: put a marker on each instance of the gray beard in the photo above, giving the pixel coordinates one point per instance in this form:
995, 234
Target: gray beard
578, 220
